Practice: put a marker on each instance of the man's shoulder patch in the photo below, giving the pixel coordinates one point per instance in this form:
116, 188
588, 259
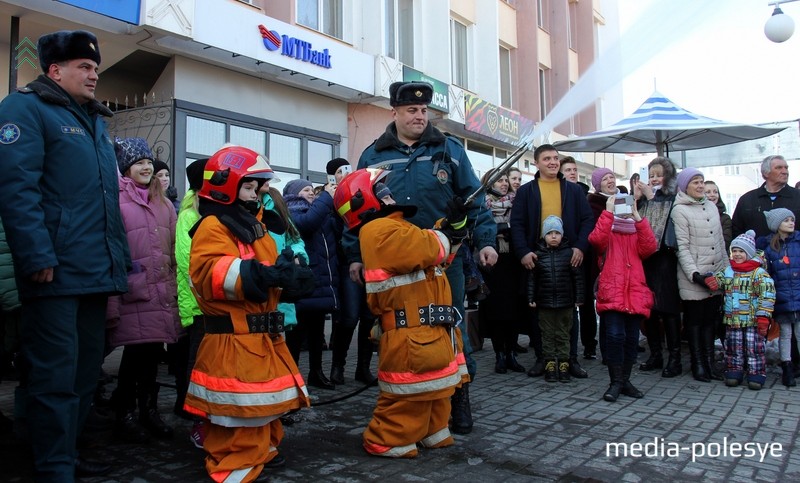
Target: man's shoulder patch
9, 133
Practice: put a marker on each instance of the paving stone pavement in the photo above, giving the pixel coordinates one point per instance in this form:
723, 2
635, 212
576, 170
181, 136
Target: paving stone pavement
526, 430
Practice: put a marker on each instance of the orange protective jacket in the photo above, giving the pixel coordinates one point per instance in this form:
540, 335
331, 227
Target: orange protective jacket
238, 375
402, 270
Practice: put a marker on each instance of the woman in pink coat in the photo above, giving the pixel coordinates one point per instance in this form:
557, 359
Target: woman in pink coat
146, 316
622, 241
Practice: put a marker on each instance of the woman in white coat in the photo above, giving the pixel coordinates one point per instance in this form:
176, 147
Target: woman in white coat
701, 251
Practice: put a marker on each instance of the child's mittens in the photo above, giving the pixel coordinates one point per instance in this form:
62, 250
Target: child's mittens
763, 326
711, 282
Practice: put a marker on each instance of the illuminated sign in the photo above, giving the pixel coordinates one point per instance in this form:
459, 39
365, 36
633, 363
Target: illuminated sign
301, 50
495, 121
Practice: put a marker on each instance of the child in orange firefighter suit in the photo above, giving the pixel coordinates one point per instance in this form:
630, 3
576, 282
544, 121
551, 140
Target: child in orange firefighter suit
421, 362
244, 378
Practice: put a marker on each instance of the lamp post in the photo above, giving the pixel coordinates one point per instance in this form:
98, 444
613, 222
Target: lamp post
780, 27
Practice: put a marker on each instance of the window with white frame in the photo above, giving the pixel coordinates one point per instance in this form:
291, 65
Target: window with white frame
325, 16
541, 13
459, 54
543, 92
399, 30
572, 25
505, 77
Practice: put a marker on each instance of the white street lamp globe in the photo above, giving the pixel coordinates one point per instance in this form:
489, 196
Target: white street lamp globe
779, 27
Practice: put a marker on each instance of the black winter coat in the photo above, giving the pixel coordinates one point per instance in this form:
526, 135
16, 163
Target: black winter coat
554, 283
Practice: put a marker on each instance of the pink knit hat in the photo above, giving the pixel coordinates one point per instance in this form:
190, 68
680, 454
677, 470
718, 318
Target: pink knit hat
597, 177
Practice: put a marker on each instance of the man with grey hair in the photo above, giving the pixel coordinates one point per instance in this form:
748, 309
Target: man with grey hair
774, 193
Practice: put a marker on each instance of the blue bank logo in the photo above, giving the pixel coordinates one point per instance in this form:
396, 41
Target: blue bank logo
293, 47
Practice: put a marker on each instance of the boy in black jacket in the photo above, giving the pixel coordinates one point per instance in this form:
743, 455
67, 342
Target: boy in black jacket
555, 287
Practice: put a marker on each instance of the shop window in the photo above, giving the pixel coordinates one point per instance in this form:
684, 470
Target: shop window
203, 135
322, 15
459, 54
250, 138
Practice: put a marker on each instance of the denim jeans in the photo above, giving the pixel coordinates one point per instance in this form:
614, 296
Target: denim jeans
622, 337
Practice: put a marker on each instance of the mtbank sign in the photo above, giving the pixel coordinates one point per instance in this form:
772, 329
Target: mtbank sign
293, 47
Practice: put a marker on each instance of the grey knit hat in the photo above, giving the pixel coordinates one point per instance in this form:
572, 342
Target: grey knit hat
294, 186
775, 218
747, 242
552, 223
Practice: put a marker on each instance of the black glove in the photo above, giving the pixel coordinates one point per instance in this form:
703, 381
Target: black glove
456, 212
297, 280
700, 279
454, 225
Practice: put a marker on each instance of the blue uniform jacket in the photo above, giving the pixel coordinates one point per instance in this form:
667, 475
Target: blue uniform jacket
428, 175
59, 193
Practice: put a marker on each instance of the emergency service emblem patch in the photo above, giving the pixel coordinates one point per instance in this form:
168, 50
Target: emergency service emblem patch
9, 133
441, 175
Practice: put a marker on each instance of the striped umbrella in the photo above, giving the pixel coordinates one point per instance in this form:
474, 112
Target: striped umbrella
661, 125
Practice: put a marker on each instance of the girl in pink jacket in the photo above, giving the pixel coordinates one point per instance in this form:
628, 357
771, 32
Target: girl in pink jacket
145, 317
623, 298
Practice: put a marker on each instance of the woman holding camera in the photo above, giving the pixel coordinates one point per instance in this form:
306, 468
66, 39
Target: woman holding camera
655, 198
498, 312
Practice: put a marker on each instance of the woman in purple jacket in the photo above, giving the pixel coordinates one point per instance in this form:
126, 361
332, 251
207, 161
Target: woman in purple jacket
146, 317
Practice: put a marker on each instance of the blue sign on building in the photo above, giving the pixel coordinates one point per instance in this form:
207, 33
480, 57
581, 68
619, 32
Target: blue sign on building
125, 10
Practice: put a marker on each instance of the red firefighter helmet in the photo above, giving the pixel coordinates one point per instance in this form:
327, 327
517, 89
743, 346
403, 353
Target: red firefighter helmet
355, 198
226, 169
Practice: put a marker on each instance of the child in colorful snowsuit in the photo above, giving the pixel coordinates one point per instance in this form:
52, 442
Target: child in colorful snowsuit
749, 298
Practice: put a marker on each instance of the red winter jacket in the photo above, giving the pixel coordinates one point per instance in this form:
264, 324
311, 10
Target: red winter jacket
622, 286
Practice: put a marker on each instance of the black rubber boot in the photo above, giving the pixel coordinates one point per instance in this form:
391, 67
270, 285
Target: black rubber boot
500, 363
460, 412
575, 369
709, 334
787, 378
653, 333
363, 372
317, 379
628, 389
129, 430
337, 375
697, 354
512, 364
615, 387
150, 418
672, 331
538, 369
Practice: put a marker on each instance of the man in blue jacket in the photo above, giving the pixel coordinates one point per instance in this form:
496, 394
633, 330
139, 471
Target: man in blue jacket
550, 194
428, 169
59, 206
